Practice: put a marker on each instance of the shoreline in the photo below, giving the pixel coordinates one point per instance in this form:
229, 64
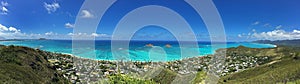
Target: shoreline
143, 61
200, 56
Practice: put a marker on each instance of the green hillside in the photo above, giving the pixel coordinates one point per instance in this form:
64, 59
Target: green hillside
283, 68
26, 65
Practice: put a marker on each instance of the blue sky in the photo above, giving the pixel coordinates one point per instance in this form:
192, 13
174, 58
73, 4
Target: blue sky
244, 20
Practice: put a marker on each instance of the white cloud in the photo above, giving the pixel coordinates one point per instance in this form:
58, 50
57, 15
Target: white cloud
12, 29
278, 27
277, 35
3, 9
240, 36
51, 34
253, 30
54, 35
99, 35
15, 33
34, 36
69, 25
10, 32
95, 34
86, 14
256, 23
267, 25
85, 35
48, 33
296, 31
70, 34
51, 7
3, 28
4, 3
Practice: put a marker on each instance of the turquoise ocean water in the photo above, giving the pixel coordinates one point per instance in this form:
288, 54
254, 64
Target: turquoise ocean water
138, 51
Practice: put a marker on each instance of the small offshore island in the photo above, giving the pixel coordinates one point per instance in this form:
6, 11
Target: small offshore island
242, 65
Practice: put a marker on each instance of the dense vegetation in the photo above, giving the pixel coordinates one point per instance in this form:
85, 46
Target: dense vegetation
26, 65
165, 76
200, 77
125, 79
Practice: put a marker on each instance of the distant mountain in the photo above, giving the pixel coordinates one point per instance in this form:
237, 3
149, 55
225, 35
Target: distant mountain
42, 39
291, 43
263, 41
11, 39
28, 66
2, 38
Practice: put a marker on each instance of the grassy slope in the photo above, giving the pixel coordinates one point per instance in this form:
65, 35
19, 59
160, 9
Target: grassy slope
26, 65
285, 67
165, 77
200, 77
125, 79
282, 71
